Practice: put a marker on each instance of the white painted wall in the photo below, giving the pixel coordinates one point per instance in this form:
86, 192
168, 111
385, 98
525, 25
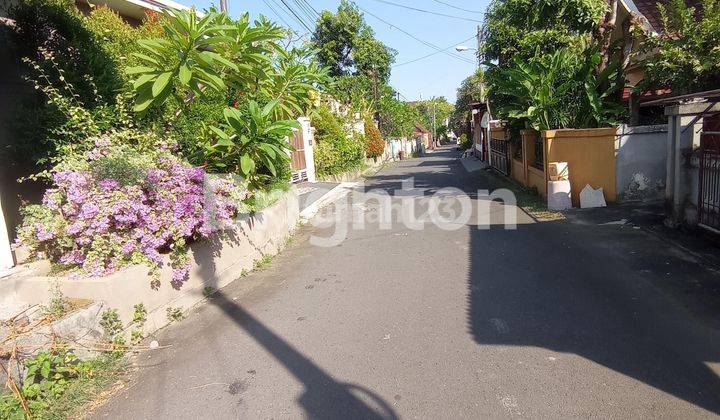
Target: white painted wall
6, 258
308, 132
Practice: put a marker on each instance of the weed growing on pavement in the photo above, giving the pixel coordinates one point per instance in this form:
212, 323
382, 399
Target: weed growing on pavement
174, 314
112, 329
59, 304
208, 291
139, 318
263, 262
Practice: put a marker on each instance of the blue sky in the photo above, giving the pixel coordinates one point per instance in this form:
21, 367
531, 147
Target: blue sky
437, 75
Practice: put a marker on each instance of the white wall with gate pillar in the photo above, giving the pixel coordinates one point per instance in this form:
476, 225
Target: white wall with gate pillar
308, 136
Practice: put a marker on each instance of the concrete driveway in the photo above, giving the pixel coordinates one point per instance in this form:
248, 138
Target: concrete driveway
569, 318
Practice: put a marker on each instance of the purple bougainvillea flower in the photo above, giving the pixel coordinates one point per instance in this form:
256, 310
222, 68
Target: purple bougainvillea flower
108, 222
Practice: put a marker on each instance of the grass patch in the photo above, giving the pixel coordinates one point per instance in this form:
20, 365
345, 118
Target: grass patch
78, 396
527, 198
263, 262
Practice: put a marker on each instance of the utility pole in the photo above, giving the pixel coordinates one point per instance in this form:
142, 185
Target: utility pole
479, 43
375, 95
223, 5
433, 122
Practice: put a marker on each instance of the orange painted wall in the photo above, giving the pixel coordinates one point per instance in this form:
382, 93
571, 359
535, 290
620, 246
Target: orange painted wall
590, 154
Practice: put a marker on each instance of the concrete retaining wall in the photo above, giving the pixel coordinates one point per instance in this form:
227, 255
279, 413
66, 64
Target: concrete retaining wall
215, 263
640, 161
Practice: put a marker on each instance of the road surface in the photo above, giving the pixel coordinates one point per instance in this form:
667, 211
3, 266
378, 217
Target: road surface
568, 318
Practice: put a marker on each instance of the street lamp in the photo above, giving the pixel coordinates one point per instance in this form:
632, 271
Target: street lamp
461, 48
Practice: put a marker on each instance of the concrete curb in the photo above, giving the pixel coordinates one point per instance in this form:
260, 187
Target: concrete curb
472, 164
339, 191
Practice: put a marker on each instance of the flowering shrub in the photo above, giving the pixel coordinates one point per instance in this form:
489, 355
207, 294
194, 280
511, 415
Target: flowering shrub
374, 144
118, 204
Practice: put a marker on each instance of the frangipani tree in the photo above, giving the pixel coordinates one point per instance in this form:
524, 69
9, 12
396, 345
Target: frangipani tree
265, 83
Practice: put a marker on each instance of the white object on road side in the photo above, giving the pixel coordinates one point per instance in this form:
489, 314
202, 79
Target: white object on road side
559, 195
6, 257
590, 197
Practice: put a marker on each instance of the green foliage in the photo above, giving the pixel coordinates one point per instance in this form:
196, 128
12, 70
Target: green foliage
139, 318
139, 314
250, 138
205, 60
347, 45
208, 291
61, 385
437, 110
397, 118
374, 144
84, 54
263, 262
535, 27
470, 91
48, 374
336, 152
465, 142
686, 54
110, 323
58, 304
559, 90
174, 314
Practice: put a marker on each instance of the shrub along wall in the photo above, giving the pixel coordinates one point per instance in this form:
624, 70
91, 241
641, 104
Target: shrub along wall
336, 151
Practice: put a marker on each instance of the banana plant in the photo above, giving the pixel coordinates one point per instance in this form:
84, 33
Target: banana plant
250, 141
559, 90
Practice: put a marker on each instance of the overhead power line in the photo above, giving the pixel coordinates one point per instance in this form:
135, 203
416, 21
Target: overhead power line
433, 46
278, 15
458, 8
311, 7
433, 53
298, 18
428, 11
305, 11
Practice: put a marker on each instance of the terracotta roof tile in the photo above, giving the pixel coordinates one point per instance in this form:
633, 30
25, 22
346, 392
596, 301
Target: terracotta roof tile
649, 9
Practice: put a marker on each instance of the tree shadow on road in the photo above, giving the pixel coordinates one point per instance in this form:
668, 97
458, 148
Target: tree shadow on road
614, 297
324, 397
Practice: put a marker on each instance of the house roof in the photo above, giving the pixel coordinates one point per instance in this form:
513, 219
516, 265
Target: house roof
649, 10
137, 8
419, 127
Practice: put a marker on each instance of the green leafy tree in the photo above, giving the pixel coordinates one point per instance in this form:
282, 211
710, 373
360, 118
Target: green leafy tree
470, 91
346, 45
244, 63
437, 110
536, 27
397, 118
685, 56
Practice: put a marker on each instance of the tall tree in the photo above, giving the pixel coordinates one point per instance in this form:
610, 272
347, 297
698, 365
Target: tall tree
536, 27
346, 44
468, 92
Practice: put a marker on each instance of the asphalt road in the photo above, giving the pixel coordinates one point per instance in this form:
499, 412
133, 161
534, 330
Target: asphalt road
570, 318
